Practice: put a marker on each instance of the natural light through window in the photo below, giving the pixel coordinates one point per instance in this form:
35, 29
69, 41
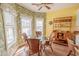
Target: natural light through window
26, 25
10, 27
39, 24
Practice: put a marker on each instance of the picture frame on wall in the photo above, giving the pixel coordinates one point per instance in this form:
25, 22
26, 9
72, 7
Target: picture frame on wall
62, 23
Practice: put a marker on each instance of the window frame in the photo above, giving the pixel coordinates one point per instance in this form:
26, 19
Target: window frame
40, 19
12, 26
27, 18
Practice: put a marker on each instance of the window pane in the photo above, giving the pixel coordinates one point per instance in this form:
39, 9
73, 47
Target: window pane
39, 24
26, 26
10, 27
10, 35
8, 18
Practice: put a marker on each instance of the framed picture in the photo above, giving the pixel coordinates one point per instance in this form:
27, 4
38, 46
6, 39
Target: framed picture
62, 23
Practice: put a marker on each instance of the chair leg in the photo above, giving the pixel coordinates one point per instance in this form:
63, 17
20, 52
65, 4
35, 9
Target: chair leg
69, 53
51, 48
38, 53
44, 48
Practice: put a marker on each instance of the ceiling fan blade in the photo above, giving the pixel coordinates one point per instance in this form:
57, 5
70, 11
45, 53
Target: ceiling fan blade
36, 4
47, 7
49, 3
40, 8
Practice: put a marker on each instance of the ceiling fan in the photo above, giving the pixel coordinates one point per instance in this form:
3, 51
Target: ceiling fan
41, 5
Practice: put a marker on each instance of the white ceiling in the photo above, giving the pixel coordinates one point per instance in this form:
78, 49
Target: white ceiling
54, 6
